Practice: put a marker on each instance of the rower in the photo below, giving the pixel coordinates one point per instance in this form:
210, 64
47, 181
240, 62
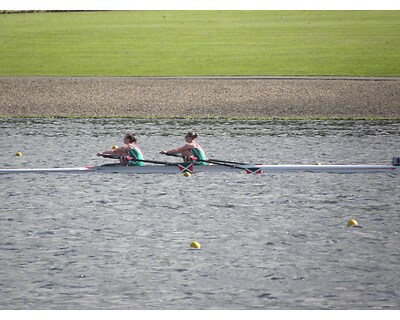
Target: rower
189, 150
130, 152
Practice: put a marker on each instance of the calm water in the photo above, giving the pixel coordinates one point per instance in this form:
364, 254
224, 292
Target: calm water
109, 241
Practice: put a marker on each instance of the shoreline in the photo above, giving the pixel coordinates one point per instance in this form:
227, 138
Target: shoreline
250, 97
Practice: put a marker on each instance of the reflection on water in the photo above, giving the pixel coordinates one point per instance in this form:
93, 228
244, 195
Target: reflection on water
108, 241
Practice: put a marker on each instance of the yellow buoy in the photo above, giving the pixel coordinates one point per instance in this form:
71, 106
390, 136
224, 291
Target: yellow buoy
114, 147
195, 245
317, 164
18, 154
186, 174
352, 223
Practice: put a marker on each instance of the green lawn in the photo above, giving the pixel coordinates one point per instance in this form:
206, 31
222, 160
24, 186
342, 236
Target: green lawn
193, 43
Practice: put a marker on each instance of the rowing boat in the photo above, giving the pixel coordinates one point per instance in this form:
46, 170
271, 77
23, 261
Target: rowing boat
213, 168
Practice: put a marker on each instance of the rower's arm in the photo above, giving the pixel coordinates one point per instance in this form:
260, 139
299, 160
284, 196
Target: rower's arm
179, 150
121, 151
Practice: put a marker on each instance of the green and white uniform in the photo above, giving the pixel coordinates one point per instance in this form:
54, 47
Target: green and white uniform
136, 154
199, 153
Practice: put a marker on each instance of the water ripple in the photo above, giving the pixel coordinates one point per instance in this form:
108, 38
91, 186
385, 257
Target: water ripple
276, 241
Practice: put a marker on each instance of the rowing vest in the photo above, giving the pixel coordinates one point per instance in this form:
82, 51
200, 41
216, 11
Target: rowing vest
199, 153
136, 154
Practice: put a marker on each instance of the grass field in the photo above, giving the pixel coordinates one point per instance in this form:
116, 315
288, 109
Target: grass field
193, 43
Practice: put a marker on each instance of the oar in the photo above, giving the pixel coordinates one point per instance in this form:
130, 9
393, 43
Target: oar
225, 163
210, 160
181, 167
111, 156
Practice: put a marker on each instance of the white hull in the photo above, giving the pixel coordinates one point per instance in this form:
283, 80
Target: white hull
47, 170
170, 169
330, 168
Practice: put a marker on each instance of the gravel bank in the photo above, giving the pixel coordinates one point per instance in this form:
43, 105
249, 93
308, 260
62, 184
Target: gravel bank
199, 97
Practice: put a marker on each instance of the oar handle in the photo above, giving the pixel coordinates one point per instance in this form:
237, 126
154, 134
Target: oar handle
171, 154
111, 156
